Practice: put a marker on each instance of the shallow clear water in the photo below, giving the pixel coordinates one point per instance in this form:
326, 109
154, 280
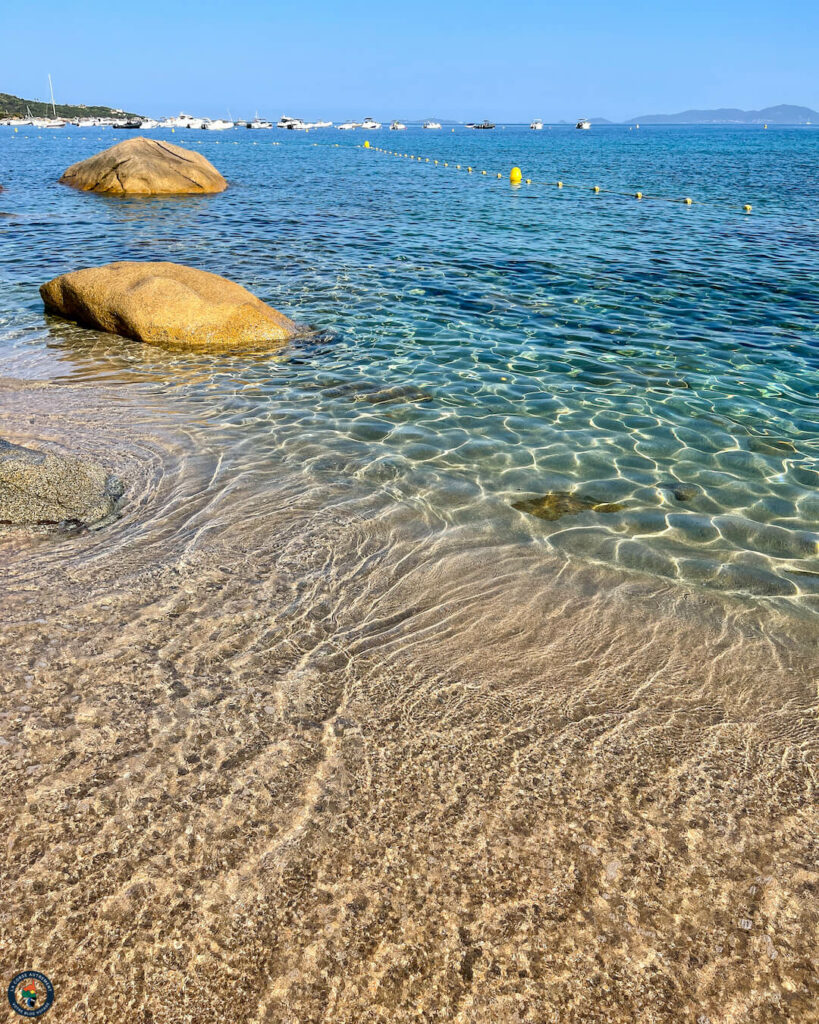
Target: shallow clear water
477, 345
322, 710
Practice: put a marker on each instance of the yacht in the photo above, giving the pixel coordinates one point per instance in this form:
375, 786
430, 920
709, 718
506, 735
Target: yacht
129, 123
398, 126
369, 123
483, 126
432, 124
323, 124
218, 125
583, 123
289, 122
148, 124
258, 122
347, 126
182, 121
536, 125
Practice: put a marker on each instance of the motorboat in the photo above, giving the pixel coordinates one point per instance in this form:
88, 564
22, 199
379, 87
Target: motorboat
483, 126
218, 125
348, 126
369, 123
583, 123
130, 123
536, 125
289, 122
432, 125
148, 124
398, 126
258, 122
182, 121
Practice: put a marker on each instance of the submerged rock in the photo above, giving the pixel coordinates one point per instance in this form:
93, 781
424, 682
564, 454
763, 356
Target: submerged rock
167, 304
557, 504
682, 492
145, 167
40, 487
374, 394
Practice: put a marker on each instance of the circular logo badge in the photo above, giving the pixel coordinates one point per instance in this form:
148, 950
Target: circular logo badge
31, 994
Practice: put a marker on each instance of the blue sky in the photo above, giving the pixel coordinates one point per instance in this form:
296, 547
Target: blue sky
502, 60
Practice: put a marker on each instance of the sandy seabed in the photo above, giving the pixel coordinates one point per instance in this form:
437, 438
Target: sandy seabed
270, 756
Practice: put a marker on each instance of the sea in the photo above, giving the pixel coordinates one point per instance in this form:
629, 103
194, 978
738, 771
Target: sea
505, 572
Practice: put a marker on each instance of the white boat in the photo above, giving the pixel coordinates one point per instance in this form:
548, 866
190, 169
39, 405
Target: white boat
369, 123
258, 122
289, 122
182, 121
397, 126
536, 125
431, 124
348, 126
216, 126
322, 124
584, 124
149, 124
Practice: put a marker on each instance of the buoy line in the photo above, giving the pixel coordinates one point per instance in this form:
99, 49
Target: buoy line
516, 178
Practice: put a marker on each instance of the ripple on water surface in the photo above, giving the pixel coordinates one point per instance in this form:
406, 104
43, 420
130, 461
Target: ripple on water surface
480, 350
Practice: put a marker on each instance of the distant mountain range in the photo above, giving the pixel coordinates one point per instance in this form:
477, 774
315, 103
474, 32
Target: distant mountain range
785, 113
14, 106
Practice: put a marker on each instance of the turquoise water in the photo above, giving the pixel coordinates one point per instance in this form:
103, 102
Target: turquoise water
476, 345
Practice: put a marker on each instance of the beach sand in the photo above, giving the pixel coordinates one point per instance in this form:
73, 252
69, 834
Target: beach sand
270, 756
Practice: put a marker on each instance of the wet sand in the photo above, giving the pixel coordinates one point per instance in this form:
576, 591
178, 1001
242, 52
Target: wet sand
277, 754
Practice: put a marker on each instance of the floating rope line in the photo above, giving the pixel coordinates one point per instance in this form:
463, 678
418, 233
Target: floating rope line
516, 178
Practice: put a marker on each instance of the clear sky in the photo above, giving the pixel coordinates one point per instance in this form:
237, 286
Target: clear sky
509, 61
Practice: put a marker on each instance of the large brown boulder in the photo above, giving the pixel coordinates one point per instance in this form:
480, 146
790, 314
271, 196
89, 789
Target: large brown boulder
145, 167
167, 304
41, 487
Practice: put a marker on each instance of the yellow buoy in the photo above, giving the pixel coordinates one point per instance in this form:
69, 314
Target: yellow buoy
747, 208
458, 166
528, 181
469, 170
500, 175
688, 201
515, 176
446, 165
367, 144
483, 172
638, 195
560, 184
596, 188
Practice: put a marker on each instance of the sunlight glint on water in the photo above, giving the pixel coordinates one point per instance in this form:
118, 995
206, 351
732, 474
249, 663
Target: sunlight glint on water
478, 347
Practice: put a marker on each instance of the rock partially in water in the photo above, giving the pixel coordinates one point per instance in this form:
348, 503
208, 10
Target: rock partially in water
167, 304
145, 167
682, 492
41, 487
557, 504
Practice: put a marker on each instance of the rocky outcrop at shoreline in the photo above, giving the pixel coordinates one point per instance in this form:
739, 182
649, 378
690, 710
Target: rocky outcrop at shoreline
167, 304
41, 487
145, 167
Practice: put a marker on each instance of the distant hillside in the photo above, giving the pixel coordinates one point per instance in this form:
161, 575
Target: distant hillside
783, 114
13, 106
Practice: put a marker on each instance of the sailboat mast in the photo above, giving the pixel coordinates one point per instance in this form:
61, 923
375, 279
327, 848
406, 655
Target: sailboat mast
51, 87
